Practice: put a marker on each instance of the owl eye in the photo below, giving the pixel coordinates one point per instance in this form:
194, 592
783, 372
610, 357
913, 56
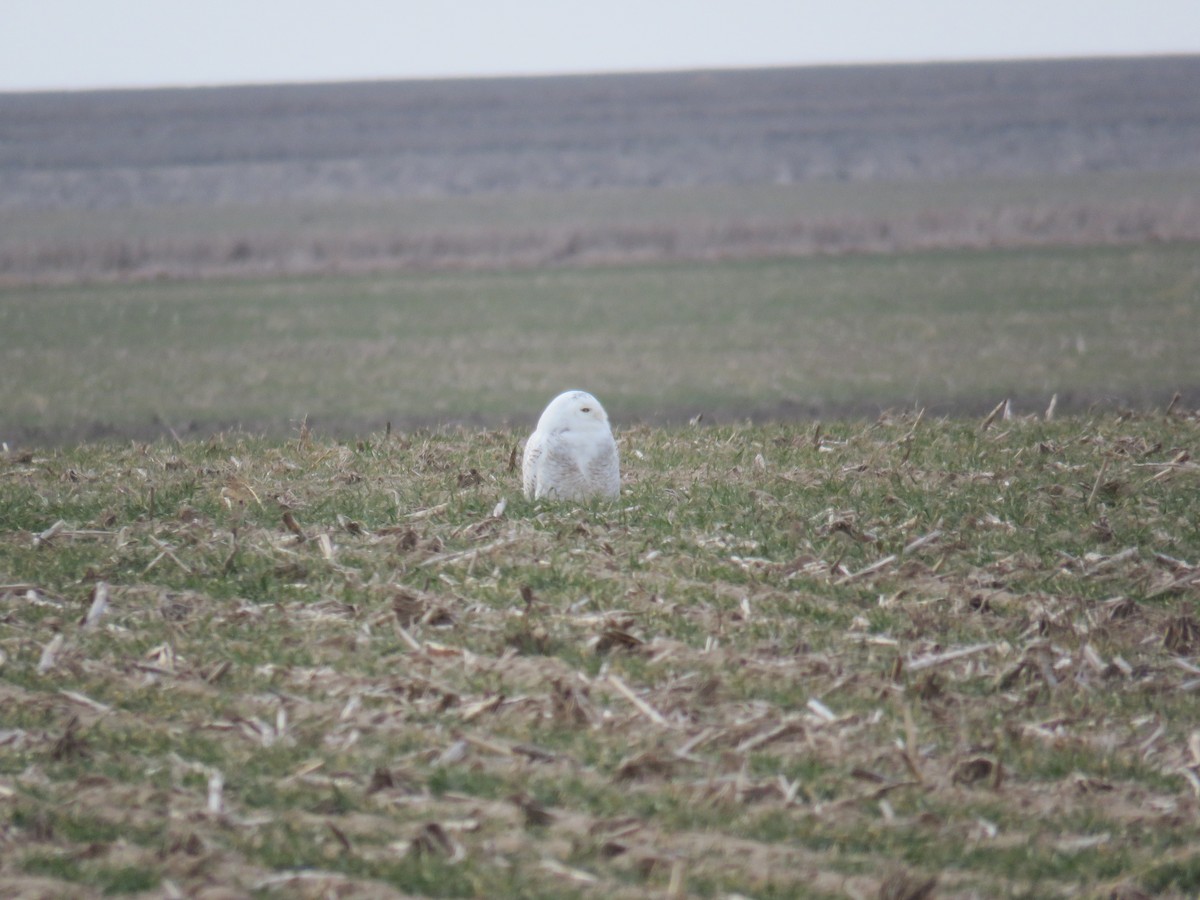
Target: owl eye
586, 409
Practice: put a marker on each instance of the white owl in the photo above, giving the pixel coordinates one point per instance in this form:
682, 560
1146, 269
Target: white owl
571, 455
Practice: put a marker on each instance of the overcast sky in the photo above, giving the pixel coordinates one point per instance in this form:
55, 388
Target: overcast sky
132, 43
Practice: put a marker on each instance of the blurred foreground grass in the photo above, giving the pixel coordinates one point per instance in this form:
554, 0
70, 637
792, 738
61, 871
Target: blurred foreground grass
789, 661
951, 331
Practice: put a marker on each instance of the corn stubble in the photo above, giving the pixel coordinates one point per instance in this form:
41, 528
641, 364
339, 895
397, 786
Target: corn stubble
896, 658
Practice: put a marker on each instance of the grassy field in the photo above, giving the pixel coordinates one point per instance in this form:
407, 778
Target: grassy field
609, 209
950, 331
539, 229
848, 660
275, 619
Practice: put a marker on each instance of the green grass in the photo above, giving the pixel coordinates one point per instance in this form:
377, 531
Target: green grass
827, 336
424, 695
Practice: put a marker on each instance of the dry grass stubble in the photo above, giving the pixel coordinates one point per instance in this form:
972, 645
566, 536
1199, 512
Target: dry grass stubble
854, 661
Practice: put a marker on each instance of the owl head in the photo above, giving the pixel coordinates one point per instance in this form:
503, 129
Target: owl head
573, 409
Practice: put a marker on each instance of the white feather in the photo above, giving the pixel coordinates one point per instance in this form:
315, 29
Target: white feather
571, 455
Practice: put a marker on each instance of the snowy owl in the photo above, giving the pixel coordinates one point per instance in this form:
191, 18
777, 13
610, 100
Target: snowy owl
571, 455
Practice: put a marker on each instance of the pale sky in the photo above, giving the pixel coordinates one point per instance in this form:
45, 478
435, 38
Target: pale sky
51, 44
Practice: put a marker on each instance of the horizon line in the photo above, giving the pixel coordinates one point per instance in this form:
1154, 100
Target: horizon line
594, 73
